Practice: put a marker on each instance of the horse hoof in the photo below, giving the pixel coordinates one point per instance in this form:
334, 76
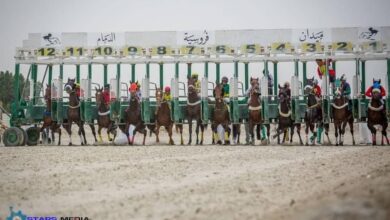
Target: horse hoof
307, 144
70, 144
219, 142
227, 143
337, 144
110, 139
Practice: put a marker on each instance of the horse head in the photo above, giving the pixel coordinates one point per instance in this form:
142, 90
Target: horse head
99, 96
47, 95
70, 85
191, 86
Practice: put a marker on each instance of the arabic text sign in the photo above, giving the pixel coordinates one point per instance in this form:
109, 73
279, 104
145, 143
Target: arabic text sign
106, 39
195, 38
311, 35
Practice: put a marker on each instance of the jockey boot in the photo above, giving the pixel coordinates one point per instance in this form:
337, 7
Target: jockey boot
319, 134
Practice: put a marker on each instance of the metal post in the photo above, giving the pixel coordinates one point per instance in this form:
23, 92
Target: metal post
218, 72
363, 76
161, 75
78, 73
177, 70
15, 105
50, 77
118, 82
296, 68
304, 70
275, 77
105, 73
133, 72
206, 69
90, 71
189, 70
61, 71
246, 68
148, 70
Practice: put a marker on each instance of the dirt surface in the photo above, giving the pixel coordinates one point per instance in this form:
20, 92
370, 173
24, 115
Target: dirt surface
196, 182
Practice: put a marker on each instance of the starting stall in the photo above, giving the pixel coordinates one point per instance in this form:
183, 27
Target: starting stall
51, 52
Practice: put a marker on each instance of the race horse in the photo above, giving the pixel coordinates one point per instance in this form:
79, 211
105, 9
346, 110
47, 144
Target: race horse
48, 123
285, 119
74, 114
133, 119
341, 116
194, 111
163, 118
254, 110
103, 118
220, 117
376, 116
313, 115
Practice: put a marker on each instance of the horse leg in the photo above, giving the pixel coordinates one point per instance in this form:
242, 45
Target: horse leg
92, 126
307, 133
336, 133
351, 128
181, 133
190, 130
284, 135
343, 133
373, 132
68, 129
312, 129
144, 132
291, 133
384, 133
59, 135
327, 133
169, 129
100, 133
251, 132
201, 133
157, 132
258, 131
82, 133
197, 132
299, 133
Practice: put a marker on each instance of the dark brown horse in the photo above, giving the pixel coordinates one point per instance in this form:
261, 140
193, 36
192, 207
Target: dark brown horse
48, 123
376, 116
220, 116
313, 115
341, 116
74, 114
103, 117
133, 118
194, 111
285, 120
163, 117
254, 110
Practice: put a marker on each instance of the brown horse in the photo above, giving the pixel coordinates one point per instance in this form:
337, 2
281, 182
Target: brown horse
341, 116
103, 118
163, 118
74, 114
220, 116
376, 116
133, 118
48, 123
254, 110
285, 120
194, 111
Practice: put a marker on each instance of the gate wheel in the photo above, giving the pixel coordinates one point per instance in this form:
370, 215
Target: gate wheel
12, 136
23, 140
32, 136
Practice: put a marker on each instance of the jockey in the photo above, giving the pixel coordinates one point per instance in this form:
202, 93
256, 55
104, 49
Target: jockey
286, 86
78, 90
346, 90
253, 82
321, 70
377, 87
197, 82
167, 94
316, 89
225, 89
106, 94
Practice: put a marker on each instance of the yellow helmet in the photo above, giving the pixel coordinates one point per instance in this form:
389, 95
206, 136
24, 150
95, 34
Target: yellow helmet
193, 75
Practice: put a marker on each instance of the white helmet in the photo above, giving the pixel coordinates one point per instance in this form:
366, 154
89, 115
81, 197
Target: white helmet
343, 78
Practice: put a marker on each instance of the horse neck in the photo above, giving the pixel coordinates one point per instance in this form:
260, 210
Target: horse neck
134, 104
193, 97
284, 106
340, 100
254, 100
48, 104
102, 107
375, 102
311, 100
73, 99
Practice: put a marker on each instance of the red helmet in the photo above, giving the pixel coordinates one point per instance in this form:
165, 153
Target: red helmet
167, 89
133, 87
